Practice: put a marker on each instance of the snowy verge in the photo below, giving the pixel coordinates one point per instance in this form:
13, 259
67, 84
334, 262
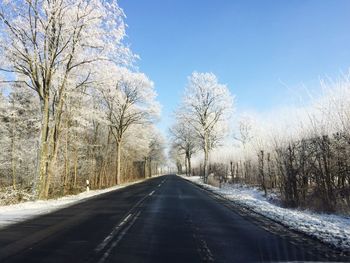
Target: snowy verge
11, 214
331, 229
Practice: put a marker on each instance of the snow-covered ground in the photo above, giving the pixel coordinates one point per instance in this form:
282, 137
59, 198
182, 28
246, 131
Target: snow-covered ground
11, 214
331, 229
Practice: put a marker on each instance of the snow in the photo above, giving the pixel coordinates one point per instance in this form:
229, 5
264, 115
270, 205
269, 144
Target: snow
12, 214
328, 228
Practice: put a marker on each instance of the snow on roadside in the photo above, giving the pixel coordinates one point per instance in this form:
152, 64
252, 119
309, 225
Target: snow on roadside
12, 214
331, 229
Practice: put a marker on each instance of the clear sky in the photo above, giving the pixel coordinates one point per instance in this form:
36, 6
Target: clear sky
263, 50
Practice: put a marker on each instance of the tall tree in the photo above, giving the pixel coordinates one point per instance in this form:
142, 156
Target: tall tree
130, 100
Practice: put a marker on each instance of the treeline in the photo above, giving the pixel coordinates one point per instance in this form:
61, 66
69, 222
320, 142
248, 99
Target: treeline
87, 148
310, 173
302, 154
71, 106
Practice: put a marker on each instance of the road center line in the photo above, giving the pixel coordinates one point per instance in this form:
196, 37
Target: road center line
125, 220
115, 230
120, 236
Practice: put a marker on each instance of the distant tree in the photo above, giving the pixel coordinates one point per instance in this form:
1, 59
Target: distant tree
185, 140
175, 155
245, 130
207, 105
156, 155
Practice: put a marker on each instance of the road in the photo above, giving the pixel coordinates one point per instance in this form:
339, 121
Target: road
164, 219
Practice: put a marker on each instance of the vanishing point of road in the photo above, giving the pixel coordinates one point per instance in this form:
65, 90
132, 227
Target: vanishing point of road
163, 219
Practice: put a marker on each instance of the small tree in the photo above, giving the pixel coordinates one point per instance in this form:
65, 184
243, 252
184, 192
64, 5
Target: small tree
175, 155
156, 156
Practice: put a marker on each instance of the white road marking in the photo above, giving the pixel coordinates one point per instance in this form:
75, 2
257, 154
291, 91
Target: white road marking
125, 220
115, 230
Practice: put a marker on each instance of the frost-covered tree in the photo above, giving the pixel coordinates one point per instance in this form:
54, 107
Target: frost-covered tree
143, 148
184, 139
176, 156
207, 106
156, 156
131, 100
20, 123
245, 129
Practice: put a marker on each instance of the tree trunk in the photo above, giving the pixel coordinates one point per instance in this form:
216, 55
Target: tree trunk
145, 168
54, 135
75, 166
43, 148
66, 161
206, 159
262, 172
118, 157
189, 165
13, 158
51, 144
51, 159
150, 168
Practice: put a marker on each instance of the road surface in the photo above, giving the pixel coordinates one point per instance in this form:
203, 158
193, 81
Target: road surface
164, 219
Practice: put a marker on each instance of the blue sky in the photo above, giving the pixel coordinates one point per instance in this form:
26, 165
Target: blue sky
263, 50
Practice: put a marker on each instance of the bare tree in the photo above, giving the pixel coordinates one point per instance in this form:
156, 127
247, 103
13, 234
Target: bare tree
130, 102
207, 105
245, 130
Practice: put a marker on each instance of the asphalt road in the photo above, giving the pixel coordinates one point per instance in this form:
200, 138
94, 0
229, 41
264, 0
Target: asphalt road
164, 219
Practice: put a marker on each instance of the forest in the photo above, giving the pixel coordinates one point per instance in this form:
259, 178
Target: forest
73, 106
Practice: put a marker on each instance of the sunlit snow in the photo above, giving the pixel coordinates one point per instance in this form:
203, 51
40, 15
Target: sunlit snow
12, 214
331, 229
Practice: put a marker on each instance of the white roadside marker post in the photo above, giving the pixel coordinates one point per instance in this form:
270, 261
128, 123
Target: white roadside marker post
87, 186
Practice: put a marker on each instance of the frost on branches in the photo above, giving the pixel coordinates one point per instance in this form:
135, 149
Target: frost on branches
207, 106
130, 100
299, 152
